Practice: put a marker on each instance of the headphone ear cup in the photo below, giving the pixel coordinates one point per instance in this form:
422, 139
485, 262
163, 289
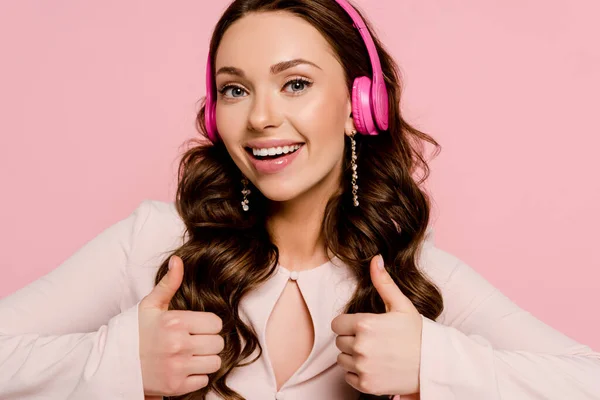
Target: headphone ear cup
380, 103
210, 106
361, 106
210, 120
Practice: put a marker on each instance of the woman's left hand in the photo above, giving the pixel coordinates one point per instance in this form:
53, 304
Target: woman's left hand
381, 353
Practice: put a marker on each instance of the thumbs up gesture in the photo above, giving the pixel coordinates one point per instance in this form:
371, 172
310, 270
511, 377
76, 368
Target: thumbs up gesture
178, 349
381, 353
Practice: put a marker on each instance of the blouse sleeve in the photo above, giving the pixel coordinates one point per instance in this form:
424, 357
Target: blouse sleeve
485, 347
65, 336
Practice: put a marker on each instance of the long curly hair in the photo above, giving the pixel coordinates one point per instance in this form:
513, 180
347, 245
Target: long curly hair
229, 252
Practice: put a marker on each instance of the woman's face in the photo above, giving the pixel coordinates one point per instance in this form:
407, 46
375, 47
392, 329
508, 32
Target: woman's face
280, 88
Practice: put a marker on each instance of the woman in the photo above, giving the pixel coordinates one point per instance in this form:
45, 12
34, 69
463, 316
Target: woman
296, 261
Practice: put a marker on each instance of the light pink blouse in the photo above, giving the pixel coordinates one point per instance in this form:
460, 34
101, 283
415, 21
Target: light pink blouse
73, 334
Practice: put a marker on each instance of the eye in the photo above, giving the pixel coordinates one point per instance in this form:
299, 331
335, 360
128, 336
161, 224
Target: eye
236, 91
298, 85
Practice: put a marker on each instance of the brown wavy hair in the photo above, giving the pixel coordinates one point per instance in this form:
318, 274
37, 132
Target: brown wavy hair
229, 252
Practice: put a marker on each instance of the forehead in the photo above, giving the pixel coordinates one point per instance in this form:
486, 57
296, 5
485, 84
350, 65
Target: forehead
259, 40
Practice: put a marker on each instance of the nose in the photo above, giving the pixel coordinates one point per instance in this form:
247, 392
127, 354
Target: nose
265, 111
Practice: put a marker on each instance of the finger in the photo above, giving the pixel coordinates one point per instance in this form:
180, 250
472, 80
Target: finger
193, 383
345, 344
200, 365
346, 361
204, 345
353, 380
163, 292
390, 293
345, 324
199, 322
414, 396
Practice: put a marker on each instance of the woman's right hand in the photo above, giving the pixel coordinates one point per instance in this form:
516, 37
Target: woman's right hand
178, 349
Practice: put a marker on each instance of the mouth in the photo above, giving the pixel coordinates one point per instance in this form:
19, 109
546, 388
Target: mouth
273, 153
273, 160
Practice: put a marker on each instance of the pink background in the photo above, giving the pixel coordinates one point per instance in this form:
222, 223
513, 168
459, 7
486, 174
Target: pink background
97, 97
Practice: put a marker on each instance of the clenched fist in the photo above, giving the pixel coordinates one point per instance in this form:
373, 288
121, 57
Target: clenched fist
178, 349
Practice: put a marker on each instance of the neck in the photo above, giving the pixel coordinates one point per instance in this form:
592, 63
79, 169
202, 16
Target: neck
296, 226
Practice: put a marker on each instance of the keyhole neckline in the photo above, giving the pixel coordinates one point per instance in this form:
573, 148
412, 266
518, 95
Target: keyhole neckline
299, 273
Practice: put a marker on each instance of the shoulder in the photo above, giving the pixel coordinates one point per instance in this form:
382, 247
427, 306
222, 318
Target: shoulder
463, 289
158, 230
434, 262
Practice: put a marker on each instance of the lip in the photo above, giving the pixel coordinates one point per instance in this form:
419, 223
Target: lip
276, 165
266, 143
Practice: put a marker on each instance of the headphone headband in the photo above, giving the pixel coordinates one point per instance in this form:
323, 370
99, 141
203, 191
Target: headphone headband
360, 25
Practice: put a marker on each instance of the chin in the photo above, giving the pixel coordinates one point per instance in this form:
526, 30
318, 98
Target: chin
276, 191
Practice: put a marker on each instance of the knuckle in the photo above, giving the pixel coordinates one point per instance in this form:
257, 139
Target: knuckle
365, 384
170, 321
364, 324
173, 346
361, 365
359, 348
162, 284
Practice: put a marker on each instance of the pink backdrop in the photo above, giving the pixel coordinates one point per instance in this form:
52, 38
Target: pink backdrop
96, 98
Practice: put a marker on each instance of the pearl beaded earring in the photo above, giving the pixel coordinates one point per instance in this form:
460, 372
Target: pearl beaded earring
245, 193
354, 170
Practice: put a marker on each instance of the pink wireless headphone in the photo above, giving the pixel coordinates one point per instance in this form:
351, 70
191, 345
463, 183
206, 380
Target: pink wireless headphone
369, 98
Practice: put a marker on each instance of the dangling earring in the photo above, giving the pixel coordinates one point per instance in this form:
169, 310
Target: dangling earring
245, 193
354, 168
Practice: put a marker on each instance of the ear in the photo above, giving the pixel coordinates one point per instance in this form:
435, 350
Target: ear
349, 127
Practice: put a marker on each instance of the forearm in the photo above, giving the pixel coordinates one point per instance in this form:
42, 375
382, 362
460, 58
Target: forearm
457, 366
96, 365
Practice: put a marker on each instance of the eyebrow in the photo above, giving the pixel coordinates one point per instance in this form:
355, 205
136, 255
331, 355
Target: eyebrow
275, 69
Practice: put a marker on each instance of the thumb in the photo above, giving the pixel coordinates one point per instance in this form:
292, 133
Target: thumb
163, 292
392, 296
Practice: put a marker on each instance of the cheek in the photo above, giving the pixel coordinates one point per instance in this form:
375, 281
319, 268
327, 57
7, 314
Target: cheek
320, 116
324, 109
231, 120
231, 127
322, 121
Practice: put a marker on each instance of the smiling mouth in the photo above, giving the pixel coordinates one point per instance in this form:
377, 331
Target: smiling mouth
272, 153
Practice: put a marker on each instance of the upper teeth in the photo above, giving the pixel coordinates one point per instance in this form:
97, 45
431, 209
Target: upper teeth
273, 151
